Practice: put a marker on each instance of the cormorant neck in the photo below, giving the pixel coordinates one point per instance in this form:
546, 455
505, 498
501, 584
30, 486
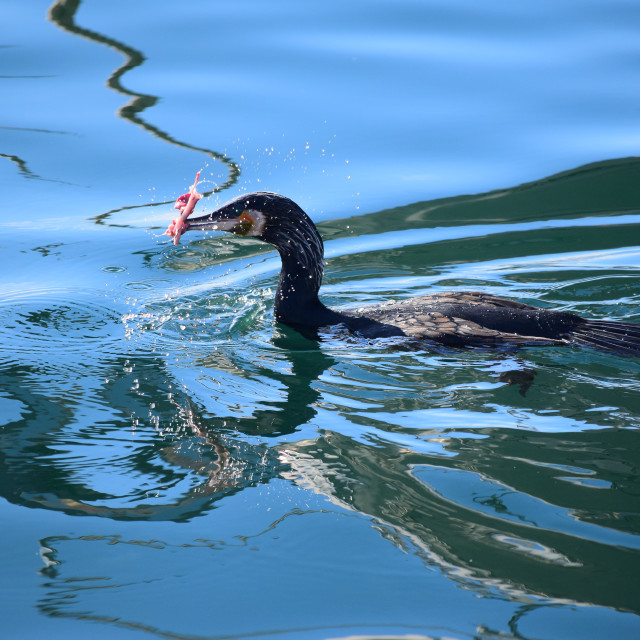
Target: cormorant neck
297, 301
302, 254
290, 230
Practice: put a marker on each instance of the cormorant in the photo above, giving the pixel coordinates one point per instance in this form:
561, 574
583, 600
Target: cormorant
459, 318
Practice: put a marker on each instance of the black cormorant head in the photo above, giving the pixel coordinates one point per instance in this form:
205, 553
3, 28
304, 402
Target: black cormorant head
274, 219
282, 223
267, 216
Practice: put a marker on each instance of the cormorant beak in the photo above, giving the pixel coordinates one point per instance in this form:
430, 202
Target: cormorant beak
224, 219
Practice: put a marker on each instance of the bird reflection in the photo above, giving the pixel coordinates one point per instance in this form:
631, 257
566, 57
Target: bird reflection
36, 470
521, 378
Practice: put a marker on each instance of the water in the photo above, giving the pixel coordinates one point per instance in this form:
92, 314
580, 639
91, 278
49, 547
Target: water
175, 465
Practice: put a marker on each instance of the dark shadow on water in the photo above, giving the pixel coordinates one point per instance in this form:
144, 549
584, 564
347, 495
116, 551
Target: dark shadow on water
62, 13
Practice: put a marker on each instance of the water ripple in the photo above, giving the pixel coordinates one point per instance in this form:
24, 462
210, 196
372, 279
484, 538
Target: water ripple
69, 321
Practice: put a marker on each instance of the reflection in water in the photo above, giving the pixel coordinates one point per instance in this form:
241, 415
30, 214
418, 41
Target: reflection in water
492, 547
23, 168
605, 188
179, 452
61, 592
185, 468
21, 164
526, 534
515, 478
62, 13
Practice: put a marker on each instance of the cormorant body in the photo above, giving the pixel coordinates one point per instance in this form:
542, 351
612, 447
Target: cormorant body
466, 318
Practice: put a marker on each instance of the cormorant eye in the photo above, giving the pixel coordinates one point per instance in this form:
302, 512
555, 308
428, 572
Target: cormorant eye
244, 224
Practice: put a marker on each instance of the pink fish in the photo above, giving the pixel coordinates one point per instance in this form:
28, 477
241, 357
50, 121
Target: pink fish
186, 203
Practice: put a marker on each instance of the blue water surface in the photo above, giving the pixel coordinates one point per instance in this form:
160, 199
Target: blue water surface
175, 464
